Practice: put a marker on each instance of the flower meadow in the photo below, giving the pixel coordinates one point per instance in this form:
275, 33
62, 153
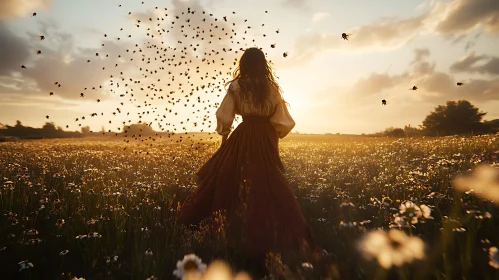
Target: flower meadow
412, 208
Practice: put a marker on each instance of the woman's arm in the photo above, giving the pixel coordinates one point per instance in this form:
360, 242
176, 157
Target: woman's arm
224, 138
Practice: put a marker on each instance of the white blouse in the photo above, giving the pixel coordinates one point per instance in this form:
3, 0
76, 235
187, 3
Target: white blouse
281, 119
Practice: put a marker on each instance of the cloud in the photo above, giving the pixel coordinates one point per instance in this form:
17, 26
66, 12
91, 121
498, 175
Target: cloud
376, 83
319, 16
13, 50
420, 55
453, 19
461, 16
59, 62
295, 3
18, 8
469, 64
385, 34
434, 86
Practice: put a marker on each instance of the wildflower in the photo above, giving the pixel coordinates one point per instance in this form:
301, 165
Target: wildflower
190, 263
392, 248
217, 270
152, 278
494, 257
484, 181
461, 229
92, 234
346, 204
387, 201
148, 252
114, 259
344, 225
426, 211
63, 253
25, 265
31, 232
410, 211
307, 265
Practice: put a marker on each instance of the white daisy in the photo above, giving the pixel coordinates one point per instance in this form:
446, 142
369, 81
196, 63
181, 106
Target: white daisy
392, 248
484, 181
25, 265
217, 270
62, 253
494, 257
190, 263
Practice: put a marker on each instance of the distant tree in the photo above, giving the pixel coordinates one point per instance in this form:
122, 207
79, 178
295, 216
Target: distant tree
49, 127
492, 126
139, 129
459, 117
394, 132
411, 131
85, 130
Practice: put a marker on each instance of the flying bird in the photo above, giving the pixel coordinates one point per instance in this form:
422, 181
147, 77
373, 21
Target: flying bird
383, 102
460, 83
414, 88
345, 36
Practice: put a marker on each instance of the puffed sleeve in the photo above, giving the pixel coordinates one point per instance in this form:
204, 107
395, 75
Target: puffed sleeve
282, 120
226, 113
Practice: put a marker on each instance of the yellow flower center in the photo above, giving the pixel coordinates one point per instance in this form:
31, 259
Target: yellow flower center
190, 265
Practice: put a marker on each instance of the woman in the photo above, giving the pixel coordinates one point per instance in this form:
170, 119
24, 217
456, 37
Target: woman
245, 177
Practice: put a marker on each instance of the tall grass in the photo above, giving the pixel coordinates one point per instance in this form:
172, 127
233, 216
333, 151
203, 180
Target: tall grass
123, 205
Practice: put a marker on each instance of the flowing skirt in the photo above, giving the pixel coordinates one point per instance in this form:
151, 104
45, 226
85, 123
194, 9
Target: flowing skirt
245, 177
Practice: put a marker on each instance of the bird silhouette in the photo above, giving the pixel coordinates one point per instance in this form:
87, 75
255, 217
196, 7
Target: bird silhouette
345, 36
383, 102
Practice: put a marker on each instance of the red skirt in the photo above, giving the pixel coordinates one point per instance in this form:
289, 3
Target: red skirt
245, 179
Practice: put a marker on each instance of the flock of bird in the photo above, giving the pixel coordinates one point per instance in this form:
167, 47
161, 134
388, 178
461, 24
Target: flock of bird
202, 66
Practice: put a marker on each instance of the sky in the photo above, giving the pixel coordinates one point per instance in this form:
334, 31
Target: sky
332, 85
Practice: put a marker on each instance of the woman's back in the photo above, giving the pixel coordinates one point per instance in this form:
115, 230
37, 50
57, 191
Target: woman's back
244, 105
238, 102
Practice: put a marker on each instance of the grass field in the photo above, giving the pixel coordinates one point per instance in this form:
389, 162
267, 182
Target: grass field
93, 209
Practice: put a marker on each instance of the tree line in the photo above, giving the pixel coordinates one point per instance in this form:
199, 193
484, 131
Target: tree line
49, 130
454, 118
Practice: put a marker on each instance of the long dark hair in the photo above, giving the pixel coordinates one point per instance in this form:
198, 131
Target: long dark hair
256, 77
